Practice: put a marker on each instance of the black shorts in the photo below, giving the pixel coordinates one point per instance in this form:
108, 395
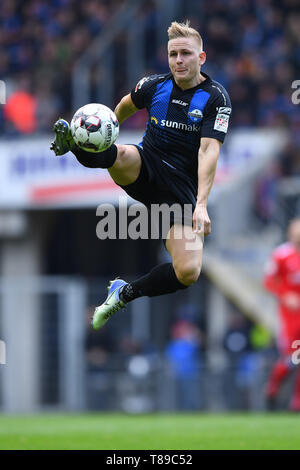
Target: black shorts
158, 184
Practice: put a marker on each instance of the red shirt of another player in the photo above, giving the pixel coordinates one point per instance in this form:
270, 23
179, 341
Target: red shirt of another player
282, 278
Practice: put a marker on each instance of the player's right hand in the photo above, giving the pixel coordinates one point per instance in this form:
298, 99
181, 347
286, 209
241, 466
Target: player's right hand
201, 220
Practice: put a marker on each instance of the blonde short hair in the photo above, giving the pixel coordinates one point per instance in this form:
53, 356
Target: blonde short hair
179, 30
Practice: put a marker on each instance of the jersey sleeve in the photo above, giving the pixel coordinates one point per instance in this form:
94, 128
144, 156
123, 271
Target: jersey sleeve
141, 95
216, 115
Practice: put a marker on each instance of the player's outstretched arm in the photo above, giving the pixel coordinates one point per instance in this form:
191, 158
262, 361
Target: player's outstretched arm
125, 109
207, 164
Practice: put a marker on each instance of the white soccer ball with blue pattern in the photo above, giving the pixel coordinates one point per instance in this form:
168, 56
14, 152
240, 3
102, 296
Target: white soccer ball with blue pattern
94, 127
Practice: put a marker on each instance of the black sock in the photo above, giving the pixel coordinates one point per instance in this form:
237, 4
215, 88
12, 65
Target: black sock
161, 280
104, 159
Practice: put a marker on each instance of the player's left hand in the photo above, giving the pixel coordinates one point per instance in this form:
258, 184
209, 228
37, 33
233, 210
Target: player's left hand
201, 220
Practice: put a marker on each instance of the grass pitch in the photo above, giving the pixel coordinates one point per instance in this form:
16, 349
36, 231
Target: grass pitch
150, 432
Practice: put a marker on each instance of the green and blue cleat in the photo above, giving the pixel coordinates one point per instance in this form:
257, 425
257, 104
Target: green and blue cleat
63, 142
112, 304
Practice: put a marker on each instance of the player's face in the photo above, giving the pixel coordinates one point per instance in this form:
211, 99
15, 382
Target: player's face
294, 233
185, 60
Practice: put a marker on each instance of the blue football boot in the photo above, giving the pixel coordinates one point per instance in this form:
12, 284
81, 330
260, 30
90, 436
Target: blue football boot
112, 304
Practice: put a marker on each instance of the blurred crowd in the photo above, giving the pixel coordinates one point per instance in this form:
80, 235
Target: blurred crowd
253, 49
40, 40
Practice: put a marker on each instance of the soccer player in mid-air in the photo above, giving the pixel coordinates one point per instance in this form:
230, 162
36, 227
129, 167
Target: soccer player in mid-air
174, 164
282, 278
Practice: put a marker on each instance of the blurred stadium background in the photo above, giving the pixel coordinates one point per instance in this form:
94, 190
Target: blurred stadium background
207, 348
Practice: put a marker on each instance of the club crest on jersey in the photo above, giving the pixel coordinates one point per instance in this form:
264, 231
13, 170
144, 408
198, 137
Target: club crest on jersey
153, 118
195, 115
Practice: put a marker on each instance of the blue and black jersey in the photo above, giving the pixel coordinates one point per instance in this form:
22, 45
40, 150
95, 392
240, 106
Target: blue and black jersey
178, 119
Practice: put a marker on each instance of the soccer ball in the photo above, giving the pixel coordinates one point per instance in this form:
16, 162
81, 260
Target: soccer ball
94, 127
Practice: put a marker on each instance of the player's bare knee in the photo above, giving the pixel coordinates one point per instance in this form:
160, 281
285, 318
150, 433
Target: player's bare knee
127, 166
122, 158
188, 273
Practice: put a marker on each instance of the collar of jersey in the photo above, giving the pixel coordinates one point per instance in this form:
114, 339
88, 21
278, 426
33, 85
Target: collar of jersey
201, 85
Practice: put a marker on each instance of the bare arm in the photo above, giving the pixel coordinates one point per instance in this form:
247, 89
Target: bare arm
207, 164
125, 109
